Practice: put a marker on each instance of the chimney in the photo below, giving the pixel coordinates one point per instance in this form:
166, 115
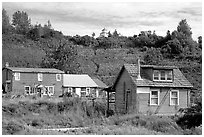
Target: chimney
139, 76
7, 64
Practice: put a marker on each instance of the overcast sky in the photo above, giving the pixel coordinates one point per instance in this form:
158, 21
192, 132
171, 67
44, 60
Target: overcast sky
128, 18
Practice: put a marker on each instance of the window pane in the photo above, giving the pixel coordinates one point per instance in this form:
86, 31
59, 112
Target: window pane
174, 94
174, 101
169, 75
83, 94
154, 93
83, 89
51, 90
162, 75
156, 75
154, 101
58, 77
74, 90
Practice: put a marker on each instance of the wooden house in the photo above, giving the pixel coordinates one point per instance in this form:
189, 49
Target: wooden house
32, 81
82, 85
151, 89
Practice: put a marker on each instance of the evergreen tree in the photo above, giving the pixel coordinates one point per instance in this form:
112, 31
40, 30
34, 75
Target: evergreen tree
6, 26
21, 22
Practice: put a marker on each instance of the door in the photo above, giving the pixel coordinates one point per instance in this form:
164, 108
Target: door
128, 101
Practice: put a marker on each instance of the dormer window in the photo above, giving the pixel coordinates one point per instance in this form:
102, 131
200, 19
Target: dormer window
162, 75
156, 75
169, 75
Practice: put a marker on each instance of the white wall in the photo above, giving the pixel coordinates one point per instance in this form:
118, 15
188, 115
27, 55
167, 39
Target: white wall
143, 90
78, 91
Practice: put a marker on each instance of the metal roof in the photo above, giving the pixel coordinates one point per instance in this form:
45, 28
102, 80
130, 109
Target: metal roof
34, 70
99, 83
75, 80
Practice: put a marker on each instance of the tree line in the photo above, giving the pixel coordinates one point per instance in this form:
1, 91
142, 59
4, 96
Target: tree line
178, 44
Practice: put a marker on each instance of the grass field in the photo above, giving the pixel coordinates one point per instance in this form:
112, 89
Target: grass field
27, 116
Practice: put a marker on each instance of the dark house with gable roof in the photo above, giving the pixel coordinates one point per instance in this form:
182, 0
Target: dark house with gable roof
32, 81
151, 89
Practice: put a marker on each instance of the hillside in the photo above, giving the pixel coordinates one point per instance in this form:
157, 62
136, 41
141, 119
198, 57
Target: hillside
21, 51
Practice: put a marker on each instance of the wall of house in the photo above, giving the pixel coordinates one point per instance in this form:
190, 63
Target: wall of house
31, 79
7, 75
166, 108
120, 96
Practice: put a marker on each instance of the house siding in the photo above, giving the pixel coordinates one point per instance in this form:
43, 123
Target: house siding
31, 79
166, 108
120, 101
7, 75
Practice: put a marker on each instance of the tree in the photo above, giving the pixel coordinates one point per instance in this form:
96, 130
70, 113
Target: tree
200, 42
115, 33
6, 26
153, 56
21, 22
62, 56
93, 34
184, 28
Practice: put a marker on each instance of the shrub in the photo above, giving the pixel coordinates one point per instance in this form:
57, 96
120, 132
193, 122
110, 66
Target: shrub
192, 117
12, 127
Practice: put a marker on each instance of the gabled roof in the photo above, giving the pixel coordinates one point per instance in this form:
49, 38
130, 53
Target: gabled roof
75, 80
133, 71
99, 82
34, 70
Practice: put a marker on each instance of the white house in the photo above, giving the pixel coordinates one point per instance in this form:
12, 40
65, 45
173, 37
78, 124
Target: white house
81, 85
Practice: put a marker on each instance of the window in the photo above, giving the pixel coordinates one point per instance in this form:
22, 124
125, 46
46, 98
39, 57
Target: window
27, 90
32, 91
70, 90
40, 77
88, 91
156, 75
50, 90
169, 75
83, 92
17, 76
174, 97
154, 97
162, 75
58, 77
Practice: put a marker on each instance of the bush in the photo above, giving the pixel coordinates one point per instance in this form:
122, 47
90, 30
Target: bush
12, 127
192, 117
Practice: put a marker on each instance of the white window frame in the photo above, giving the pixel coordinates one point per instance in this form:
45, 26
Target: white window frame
171, 75
165, 75
83, 91
60, 76
88, 90
48, 90
158, 76
17, 76
28, 91
174, 97
40, 77
69, 89
158, 100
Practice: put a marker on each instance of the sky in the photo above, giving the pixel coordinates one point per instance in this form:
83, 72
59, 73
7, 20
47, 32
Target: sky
128, 18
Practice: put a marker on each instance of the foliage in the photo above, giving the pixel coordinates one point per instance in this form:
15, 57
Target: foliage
184, 28
62, 56
6, 26
192, 117
153, 56
21, 22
